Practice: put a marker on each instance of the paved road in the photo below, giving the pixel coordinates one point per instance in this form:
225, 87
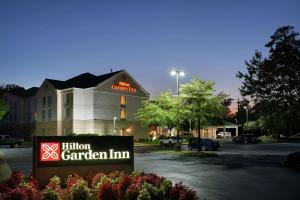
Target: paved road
239, 172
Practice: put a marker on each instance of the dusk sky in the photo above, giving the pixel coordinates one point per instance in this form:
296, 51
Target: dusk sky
209, 39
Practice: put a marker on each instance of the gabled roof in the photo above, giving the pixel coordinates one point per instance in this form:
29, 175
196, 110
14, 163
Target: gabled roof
25, 93
83, 81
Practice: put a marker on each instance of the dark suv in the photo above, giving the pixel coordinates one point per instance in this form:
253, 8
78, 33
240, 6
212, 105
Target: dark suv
245, 138
205, 144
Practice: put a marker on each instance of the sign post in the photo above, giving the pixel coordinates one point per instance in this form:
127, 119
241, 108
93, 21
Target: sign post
83, 155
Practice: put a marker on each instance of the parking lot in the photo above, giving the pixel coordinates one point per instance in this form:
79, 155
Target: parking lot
251, 171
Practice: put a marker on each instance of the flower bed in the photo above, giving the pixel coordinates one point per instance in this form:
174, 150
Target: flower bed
101, 186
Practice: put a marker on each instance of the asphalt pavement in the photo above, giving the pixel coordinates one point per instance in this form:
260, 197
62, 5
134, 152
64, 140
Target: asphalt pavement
243, 171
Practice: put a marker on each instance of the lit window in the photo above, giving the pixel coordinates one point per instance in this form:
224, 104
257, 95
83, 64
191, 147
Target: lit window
123, 113
123, 101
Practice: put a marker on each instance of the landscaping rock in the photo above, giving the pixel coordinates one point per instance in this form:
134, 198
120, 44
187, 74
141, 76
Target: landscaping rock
5, 171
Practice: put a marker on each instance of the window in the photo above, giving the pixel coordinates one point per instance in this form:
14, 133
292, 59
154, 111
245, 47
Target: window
123, 113
49, 114
15, 107
67, 99
35, 104
28, 106
49, 101
44, 101
123, 101
43, 115
67, 112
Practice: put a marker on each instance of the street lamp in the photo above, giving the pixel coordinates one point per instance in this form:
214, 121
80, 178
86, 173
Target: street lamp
177, 73
245, 107
246, 113
115, 125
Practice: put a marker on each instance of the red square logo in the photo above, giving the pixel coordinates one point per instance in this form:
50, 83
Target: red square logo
50, 151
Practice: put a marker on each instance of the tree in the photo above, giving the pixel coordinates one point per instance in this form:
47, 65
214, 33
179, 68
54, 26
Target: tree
251, 125
201, 104
274, 82
4, 108
160, 111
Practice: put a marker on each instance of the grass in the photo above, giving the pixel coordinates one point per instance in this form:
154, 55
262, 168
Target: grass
145, 144
184, 153
267, 139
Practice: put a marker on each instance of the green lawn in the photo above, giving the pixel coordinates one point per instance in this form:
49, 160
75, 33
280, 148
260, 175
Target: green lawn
145, 144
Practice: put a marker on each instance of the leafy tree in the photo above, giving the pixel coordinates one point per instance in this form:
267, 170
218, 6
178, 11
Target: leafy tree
11, 88
201, 104
273, 82
4, 109
251, 125
160, 111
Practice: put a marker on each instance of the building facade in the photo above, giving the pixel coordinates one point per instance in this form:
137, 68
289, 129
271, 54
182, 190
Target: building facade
89, 104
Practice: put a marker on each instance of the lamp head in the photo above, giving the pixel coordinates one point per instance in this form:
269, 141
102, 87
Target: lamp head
173, 72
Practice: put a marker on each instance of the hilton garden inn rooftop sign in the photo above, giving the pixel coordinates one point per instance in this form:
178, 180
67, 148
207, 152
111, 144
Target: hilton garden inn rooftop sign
84, 155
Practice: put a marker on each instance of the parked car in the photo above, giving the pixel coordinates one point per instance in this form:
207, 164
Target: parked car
8, 140
205, 144
171, 141
245, 138
295, 137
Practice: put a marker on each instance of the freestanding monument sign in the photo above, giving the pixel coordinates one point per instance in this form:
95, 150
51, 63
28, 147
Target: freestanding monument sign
84, 155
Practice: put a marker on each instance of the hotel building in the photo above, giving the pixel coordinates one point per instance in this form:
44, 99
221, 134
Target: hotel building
85, 104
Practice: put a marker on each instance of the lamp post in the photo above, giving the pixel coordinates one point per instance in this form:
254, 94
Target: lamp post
245, 107
246, 113
115, 125
177, 73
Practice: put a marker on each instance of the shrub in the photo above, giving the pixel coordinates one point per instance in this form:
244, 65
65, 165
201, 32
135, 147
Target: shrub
15, 194
97, 178
80, 191
144, 195
49, 194
54, 184
151, 178
31, 191
108, 191
72, 180
166, 187
153, 191
187, 194
33, 182
182, 192
124, 182
15, 179
4, 188
132, 192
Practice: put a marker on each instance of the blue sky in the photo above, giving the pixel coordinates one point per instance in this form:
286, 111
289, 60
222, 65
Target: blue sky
209, 39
